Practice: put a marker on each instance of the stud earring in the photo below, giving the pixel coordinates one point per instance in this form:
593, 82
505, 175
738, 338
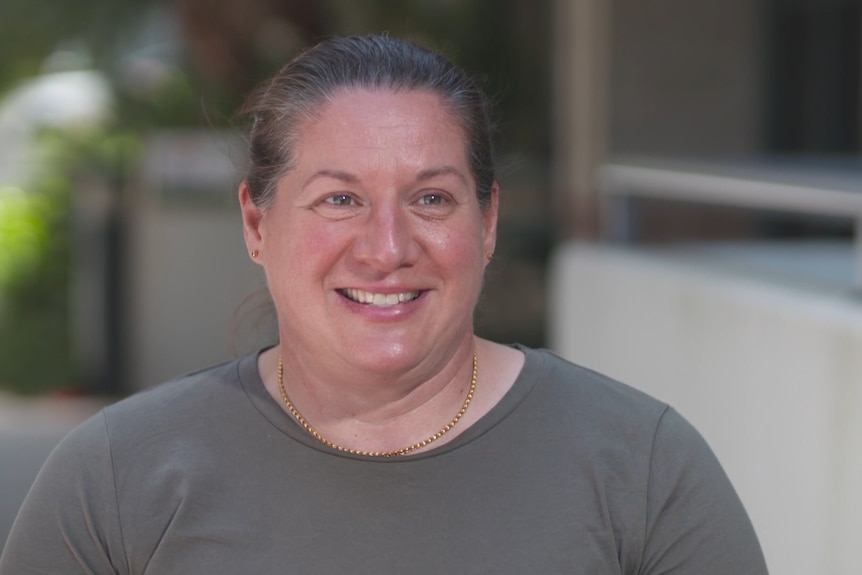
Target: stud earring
254, 254
489, 255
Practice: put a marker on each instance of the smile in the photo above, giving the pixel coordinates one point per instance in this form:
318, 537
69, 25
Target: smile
379, 299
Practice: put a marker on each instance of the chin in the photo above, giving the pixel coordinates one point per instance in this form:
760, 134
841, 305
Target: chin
385, 357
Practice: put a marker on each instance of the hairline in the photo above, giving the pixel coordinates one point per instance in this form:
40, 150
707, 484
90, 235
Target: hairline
317, 109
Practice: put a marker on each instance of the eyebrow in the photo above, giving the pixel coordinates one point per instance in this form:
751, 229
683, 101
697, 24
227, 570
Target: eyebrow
441, 171
349, 178
345, 177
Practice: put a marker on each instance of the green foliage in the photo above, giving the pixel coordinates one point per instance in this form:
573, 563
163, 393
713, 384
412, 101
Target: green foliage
23, 234
36, 351
34, 276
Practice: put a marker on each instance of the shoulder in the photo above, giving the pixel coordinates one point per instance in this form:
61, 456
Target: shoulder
155, 417
610, 423
588, 395
615, 416
658, 475
211, 378
598, 400
589, 400
201, 394
594, 427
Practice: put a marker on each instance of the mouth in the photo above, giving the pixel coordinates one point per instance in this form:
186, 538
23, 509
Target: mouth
378, 299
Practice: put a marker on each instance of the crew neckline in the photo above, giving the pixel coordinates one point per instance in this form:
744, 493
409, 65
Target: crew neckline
272, 411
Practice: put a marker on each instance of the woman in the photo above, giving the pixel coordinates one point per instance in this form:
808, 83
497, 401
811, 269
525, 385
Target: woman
380, 435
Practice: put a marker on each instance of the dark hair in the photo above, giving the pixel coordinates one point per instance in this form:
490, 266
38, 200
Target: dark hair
280, 108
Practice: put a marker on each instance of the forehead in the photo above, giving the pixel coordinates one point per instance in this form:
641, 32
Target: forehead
383, 116
359, 98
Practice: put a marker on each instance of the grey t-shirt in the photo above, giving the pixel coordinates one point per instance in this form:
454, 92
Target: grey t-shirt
570, 473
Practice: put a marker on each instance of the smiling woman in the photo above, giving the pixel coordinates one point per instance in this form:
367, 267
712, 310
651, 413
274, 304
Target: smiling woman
380, 202
379, 434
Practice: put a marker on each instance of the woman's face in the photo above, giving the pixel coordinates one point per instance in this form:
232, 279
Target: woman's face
375, 245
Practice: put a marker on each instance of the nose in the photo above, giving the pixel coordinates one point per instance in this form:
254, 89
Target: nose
386, 240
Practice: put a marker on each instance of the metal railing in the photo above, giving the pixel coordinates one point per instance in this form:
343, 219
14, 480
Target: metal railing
816, 186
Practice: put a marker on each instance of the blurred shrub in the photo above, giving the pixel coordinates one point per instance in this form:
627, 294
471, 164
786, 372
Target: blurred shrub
36, 351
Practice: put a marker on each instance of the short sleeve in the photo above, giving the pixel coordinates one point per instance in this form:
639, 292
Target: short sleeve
68, 522
695, 523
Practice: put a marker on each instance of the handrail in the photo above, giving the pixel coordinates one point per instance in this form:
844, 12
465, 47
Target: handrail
818, 186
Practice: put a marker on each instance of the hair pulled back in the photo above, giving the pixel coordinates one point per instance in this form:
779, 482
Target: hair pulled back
282, 106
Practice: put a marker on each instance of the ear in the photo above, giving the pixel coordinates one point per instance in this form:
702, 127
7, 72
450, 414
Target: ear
489, 220
252, 216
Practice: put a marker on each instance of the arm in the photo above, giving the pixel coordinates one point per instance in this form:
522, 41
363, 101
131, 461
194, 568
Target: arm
69, 521
695, 523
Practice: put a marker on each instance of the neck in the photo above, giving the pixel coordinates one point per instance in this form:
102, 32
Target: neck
381, 412
437, 435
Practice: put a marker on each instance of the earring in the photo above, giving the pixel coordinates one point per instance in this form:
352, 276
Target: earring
254, 254
489, 255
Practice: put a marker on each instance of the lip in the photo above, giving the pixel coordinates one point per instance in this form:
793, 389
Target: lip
407, 301
380, 298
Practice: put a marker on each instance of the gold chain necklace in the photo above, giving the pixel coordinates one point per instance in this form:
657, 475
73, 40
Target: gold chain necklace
404, 450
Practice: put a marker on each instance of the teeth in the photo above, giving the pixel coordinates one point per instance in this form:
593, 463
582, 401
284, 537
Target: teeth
380, 299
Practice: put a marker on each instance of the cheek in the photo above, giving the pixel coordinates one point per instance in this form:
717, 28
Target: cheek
298, 252
458, 249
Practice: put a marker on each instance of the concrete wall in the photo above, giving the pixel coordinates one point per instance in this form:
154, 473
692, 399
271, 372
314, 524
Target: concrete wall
767, 367
190, 272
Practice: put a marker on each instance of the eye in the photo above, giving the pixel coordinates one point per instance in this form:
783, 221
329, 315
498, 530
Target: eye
340, 200
435, 203
432, 200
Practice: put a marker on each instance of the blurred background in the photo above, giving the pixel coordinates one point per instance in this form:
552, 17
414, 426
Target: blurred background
682, 209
